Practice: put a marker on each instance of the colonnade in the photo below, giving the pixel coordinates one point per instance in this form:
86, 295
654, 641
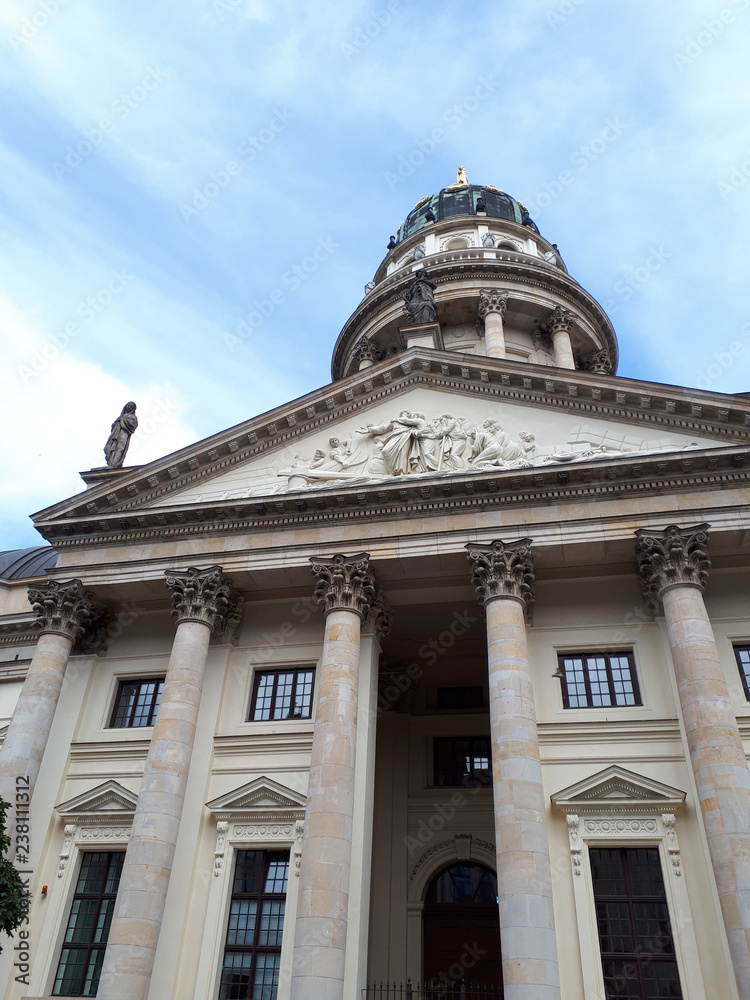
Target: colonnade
673, 566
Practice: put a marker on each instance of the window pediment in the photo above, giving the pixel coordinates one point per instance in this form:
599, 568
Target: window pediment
262, 798
107, 803
617, 790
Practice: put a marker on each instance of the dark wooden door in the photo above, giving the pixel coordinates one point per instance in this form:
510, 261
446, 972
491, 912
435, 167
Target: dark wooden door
461, 929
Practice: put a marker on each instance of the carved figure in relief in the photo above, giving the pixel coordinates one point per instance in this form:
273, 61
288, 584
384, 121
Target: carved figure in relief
420, 300
405, 451
451, 438
492, 447
118, 441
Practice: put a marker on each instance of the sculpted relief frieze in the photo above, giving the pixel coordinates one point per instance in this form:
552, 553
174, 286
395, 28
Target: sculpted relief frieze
416, 442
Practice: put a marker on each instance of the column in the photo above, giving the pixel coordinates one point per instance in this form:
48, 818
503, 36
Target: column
375, 625
63, 610
345, 589
673, 566
492, 307
503, 575
560, 324
202, 600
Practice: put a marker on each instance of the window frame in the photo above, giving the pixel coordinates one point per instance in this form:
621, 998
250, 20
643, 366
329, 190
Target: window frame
473, 739
738, 648
639, 956
297, 671
158, 680
90, 946
256, 949
584, 656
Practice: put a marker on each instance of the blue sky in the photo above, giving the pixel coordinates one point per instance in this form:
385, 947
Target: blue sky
166, 167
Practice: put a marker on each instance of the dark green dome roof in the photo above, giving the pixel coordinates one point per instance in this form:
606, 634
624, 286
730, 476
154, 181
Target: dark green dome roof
464, 199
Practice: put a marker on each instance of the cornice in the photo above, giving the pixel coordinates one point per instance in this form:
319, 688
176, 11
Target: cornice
726, 418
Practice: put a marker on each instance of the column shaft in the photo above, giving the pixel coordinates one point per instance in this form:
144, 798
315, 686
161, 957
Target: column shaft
494, 337
29, 728
527, 929
719, 763
563, 350
321, 926
141, 898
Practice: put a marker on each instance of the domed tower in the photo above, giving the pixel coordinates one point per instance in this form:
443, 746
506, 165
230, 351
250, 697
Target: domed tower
469, 271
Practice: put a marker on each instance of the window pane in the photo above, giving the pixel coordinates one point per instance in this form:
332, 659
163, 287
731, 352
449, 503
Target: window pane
235, 976
242, 921
303, 695
283, 694
462, 761
124, 708
635, 936
266, 976
88, 924
271, 923
264, 697
284, 684
743, 662
598, 680
137, 703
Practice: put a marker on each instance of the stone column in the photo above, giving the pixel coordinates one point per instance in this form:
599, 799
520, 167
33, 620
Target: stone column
202, 602
492, 308
673, 566
366, 353
504, 579
560, 324
63, 611
345, 589
375, 625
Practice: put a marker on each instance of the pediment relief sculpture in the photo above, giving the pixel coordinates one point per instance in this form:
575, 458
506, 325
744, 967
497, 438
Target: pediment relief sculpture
410, 444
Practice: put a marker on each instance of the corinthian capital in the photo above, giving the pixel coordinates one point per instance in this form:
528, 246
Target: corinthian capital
492, 301
345, 583
202, 595
560, 319
379, 618
503, 569
671, 557
65, 608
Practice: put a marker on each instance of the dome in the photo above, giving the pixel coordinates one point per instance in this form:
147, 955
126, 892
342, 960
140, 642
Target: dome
19, 564
464, 199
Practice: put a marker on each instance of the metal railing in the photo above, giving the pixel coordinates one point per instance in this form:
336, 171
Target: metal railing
432, 991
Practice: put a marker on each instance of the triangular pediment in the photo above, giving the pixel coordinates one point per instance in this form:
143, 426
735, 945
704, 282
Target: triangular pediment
261, 797
616, 789
352, 436
110, 800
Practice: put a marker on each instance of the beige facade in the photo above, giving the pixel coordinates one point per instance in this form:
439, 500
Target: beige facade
347, 537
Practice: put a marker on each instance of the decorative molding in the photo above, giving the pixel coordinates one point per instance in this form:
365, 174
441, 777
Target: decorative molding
463, 845
221, 839
492, 301
345, 583
618, 791
673, 557
503, 569
203, 595
367, 350
101, 815
64, 608
299, 832
560, 320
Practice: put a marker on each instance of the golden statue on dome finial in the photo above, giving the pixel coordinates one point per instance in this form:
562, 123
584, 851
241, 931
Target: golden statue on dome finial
462, 180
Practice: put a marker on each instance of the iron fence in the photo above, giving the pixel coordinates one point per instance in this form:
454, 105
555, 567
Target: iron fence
432, 991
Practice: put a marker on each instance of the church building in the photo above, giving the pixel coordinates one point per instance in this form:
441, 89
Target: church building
433, 683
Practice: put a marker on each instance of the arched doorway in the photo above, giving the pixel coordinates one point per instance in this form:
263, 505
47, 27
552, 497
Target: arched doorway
461, 929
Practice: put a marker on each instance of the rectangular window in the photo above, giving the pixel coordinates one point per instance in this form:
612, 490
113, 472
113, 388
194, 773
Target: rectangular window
598, 680
252, 956
635, 936
458, 698
462, 761
743, 663
282, 694
137, 703
88, 925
